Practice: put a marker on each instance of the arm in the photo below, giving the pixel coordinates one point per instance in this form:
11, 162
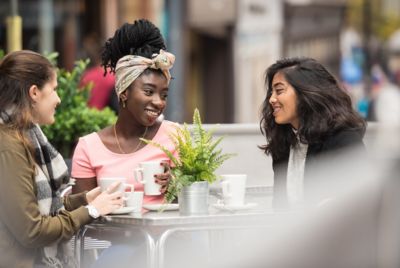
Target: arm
19, 209
74, 201
84, 184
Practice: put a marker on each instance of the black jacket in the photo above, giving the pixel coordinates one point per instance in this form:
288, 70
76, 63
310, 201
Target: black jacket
326, 163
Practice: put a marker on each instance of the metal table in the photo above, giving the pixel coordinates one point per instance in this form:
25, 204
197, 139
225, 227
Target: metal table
158, 226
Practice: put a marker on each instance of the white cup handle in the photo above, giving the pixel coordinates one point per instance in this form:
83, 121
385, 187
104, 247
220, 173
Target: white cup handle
130, 186
139, 175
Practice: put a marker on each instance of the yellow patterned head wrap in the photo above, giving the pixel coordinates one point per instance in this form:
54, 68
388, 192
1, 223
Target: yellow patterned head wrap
130, 67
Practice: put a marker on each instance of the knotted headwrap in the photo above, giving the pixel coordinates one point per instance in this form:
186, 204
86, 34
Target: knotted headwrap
131, 67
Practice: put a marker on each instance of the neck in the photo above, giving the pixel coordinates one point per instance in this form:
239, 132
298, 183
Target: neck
130, 130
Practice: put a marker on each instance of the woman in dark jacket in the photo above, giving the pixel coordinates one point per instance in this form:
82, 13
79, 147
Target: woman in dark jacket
307, 118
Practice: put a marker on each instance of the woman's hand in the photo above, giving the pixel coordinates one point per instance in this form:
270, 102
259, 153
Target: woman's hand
109, 200
92, 194
164, 178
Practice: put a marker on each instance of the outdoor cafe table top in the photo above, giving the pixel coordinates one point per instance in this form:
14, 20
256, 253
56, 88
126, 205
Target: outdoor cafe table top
263, 210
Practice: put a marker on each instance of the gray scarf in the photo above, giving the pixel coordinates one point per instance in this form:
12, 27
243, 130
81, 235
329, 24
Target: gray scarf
51, 177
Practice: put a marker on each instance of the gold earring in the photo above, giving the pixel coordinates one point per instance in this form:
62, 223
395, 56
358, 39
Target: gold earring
123, 104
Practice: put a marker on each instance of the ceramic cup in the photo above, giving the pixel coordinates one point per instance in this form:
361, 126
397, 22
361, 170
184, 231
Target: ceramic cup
233, 189
105, 182
145, 174
135, 200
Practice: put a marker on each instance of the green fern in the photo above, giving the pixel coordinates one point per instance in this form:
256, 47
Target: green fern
198, 156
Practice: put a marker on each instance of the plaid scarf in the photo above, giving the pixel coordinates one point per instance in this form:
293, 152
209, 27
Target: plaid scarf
51, 177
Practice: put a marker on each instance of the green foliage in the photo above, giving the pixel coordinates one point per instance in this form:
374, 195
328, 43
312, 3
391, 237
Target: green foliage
73, 117
383, 23
198, 158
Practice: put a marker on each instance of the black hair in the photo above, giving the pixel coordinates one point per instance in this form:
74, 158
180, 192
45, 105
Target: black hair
141, 38
323, 107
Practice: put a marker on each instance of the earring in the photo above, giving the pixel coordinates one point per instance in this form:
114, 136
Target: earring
123, 104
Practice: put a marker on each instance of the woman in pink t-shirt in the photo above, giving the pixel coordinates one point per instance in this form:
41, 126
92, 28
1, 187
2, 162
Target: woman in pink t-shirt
136, 55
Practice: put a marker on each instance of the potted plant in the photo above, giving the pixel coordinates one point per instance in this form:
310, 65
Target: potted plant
194, 168
74, 118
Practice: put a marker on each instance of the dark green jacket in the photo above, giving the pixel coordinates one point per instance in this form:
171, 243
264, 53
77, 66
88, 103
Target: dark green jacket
23, 229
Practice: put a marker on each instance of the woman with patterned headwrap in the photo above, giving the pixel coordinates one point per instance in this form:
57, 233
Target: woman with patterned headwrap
137, 56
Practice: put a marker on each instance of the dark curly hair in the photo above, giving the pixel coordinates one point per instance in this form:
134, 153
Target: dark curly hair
141, 38
323, 107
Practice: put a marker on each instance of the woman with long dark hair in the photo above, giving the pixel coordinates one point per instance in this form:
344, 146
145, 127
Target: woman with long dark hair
306, 115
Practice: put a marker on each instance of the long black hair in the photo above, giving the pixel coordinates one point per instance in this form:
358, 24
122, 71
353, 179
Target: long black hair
140, 38
323, 107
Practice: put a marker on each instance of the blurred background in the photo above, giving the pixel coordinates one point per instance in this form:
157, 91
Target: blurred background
223, 47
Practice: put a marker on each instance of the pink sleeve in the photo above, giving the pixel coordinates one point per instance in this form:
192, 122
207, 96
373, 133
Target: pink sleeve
81, 165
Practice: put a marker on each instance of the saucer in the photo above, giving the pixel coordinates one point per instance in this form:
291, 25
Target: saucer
235, 207
123, 210
161, 206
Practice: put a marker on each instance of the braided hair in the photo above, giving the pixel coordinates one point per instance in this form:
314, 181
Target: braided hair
141, 38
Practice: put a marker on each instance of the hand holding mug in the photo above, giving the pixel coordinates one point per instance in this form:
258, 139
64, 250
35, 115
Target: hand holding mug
92, 194
164, 178
148, 172
108, 200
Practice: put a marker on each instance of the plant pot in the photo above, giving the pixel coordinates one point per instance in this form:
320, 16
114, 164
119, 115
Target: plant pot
193, 199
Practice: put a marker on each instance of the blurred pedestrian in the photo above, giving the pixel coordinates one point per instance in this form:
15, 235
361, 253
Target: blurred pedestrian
102, 93
35, 221
305, 115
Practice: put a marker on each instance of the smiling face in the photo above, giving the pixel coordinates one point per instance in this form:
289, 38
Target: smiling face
45, 101
147, 97
284, 101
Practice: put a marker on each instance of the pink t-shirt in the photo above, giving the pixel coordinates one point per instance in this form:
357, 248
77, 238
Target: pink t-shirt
93, 159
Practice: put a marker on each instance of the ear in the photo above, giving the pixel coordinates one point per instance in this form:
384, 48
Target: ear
34, 93
123, 96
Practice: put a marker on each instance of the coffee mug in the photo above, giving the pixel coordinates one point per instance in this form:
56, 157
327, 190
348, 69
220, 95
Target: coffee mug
105, 183
145, 174
134, 200
233, 189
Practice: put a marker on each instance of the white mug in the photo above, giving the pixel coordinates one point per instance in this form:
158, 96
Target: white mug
135, 200
145, 174
105, 182
233, 189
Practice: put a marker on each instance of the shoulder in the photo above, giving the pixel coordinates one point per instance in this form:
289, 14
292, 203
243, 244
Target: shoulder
88, 142
169, 126
13, 153
9, 142
167, 123
92, 137
344, 138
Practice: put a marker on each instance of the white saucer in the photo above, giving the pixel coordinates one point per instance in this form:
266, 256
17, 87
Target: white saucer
235, 207
123, 210
161, 206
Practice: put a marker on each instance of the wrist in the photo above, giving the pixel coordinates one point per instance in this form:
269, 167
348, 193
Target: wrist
93, 212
